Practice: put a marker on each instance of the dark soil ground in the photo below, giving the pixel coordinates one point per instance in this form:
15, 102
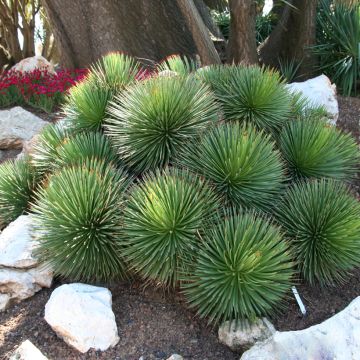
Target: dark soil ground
155, 324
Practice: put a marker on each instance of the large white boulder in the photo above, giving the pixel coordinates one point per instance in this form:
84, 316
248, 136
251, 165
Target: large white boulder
34, 63
17, 245
320, 92
18, 126
82, 315
242, 334
21, 275
336, 338
27, 351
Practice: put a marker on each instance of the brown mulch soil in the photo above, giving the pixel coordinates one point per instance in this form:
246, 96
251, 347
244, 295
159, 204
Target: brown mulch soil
155, 324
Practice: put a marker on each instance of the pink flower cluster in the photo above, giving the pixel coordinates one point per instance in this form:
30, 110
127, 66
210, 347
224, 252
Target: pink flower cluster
31, 87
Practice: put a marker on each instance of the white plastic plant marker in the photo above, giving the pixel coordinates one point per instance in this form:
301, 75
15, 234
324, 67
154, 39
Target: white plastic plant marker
299, 301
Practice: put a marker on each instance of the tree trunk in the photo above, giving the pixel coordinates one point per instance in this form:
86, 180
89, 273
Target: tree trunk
242, 38
292, 36
207, 19
84, 30
219, 5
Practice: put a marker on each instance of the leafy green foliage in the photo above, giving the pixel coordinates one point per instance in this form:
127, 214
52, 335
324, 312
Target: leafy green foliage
45, 150
240, 162
302, 108
252, 94
289, 69
338, 38
17, 183
78, 218
180, 64
75, 150
86, 104
115, 71
243, 269
163, 217
322, 220
312, 148
150, 122
222, 20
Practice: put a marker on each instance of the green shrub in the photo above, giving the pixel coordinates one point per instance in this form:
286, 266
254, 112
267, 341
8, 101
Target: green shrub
312, 148
17, 183
86, 104
322, 220
289, 69
251, 94
163, 217
150, 122
78, 217
240, 162
338, 38
180, 64
80, 147
115, 71
243, 269
45, 150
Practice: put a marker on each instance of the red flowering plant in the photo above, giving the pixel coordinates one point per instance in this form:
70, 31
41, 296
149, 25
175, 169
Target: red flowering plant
38, 88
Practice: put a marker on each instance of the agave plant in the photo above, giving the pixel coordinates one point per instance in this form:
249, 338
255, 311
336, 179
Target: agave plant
80, 147
45, 150
86, 104
151, 121
115, 71
163, 217
17, 184
240, 162
180, 64
250, 94
303, 108
78, 217
338, 38
312, 148
289, 69
243, 269
322, 220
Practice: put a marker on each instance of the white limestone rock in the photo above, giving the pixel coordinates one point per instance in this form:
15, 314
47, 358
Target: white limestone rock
82, 315
175, 357
17, 245
320, 92
27, 351
4, 301
336, 338
21, 275
240, 335
34, 63
18, 126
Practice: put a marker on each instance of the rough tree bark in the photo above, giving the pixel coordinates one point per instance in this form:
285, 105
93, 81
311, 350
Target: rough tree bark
292, 36
242, 40
148, 29
216, 4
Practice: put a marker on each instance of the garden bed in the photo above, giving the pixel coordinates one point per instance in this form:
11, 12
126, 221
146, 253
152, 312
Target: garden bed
155, 324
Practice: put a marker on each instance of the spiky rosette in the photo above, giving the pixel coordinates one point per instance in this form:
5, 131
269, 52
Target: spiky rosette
250, 94
180, 64
240, 162
17, 184
163, 218
243, 269
313, 148
151, 121
78, 217
322, 220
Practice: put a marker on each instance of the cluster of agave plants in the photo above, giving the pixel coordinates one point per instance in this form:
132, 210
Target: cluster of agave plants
216, 181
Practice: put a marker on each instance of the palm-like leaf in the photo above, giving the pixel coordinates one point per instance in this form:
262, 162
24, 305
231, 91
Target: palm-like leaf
243, 269
162, 220
312, 148
250, 94
151, 121
240, 162
322, 220
17, 184
78, 217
